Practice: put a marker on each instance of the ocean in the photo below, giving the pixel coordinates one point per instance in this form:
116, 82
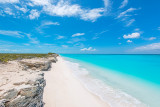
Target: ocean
120, 80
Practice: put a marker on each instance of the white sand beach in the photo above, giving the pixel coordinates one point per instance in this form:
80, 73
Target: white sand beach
64, 90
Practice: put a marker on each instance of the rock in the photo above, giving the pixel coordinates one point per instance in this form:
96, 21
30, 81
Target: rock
54, 60
10, 94
19, 101
18, 83
29, 91
2, 102
47, 66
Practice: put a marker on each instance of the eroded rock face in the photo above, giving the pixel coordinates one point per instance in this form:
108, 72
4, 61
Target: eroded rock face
42, 66
29, 94
23, 87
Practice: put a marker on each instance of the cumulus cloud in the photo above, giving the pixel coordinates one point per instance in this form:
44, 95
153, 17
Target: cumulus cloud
153, 46
34, 14
61, 8
23, 9
64, 8
78, 34
88, 49
129, 41
124, 3
92, 14
132, 36
9, 1
40, 2
8, 11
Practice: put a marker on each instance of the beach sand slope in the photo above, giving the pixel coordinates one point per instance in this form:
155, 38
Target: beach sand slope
64, 90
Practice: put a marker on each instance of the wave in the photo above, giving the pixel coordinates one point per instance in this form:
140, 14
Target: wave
113, 96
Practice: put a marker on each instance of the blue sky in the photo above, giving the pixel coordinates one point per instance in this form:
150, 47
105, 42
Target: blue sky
80, 26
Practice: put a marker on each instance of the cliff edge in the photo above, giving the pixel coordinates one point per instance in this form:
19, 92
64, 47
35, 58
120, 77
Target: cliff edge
22, 82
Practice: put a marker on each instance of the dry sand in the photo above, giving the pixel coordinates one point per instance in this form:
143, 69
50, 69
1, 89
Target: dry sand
64, 90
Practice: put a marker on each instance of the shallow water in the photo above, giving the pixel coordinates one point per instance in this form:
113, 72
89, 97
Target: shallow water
121, 80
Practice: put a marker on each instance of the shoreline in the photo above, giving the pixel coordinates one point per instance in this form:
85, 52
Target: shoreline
64, 90
111, 95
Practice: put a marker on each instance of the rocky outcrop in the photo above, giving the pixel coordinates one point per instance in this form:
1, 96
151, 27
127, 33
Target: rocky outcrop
24, 86
42, 66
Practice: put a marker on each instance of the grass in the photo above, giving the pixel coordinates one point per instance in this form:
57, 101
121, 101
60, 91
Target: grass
5, 57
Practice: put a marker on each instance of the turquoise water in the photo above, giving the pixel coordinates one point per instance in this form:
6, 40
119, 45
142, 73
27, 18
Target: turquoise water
136, 75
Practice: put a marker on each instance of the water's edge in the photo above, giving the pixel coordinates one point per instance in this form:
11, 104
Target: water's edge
114, 97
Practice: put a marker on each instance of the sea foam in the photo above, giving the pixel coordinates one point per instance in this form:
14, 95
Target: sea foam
113, 96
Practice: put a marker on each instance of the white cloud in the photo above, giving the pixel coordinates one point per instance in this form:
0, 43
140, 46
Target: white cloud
19, 34
78, 34
60, 37
151, 38
9, 1
88, 49
119, 43
153, 46
137, 29
125, 12
124, 3
65, 46
129, 41
8, 11
158, 28
92, 14
41, 2
34, 14
106, 3
74, 40
32, 40
64, 8
130, 22
23, 9
47, 23
98, 34
12, 33
132, 36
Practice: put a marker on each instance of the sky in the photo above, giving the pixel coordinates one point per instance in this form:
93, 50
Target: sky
80, 26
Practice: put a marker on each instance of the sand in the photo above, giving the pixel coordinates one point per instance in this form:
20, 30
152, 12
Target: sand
65, 90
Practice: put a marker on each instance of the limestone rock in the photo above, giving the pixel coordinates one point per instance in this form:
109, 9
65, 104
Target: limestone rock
10, 94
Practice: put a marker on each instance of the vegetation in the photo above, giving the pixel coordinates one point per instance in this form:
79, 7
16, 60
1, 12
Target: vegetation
5, 57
